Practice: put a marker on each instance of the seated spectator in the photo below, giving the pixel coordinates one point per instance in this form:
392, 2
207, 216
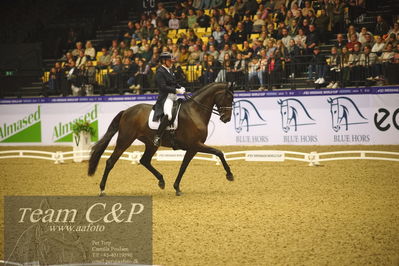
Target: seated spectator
104, 60
52, 81
183, 59
81, 60
226, 40
345, 67
362, 35
211, 70
183, 23
379, 46
114, 47
340, 42
322, 24
368, 61
394, 30
137, 34
356, 69
191, 18
147, 53
368, 40
134, 47
300, 40
292, 59
226, 72
89, 75
318, 65
114, 57
175, 52
338, 13
274, 69
307, 8
312, 39
218, 34
174, 22
203, 21
239, 7
296, 11
352, 42
90, 52
293, 28
352, 31
385, 59
226, 50
254, 71
73, 80
247, 51
194, 57
381, 28
248, 24
239, 69
154, 60
76, 51
114, 78
286, 38
257, 24
148, 30
334, 64
240, 35
129, 31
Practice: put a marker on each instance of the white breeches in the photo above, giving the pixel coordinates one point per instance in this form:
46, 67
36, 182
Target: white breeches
167, 107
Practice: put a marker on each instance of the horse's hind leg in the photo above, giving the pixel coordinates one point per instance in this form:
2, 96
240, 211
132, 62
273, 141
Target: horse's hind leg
146, 162
123, 142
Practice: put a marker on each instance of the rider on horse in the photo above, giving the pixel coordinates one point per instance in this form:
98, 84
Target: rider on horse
168, 88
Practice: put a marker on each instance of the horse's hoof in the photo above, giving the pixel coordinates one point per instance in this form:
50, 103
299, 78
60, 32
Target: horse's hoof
179, 193
161, 184
230, 177
102, 193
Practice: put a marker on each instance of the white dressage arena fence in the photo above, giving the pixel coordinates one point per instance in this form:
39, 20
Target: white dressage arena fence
312, 158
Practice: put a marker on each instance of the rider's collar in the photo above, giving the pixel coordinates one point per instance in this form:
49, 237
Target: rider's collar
168, 69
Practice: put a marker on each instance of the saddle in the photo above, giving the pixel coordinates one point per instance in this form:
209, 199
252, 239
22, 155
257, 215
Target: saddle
173, 123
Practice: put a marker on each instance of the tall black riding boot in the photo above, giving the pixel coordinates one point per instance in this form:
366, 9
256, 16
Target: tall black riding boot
161, 129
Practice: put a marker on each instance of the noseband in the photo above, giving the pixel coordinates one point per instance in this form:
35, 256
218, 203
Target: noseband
217, 111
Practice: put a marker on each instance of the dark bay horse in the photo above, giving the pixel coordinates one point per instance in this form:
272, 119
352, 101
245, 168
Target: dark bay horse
191, 134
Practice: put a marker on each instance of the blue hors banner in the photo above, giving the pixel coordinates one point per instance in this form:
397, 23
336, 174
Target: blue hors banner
365, 116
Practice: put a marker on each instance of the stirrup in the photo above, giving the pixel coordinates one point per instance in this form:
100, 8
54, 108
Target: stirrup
157, 141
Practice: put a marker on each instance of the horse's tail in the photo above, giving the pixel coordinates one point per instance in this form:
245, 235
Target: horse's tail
99, 147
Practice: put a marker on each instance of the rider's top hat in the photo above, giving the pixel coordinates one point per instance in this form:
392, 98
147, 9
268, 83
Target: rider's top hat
165, 55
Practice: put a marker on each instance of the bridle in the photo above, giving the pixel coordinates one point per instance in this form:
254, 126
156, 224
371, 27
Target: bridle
220, 110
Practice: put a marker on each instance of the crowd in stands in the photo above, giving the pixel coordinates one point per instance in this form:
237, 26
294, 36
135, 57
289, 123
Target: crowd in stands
245, 41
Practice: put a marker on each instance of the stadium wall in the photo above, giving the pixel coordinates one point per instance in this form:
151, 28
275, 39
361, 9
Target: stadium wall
365, 116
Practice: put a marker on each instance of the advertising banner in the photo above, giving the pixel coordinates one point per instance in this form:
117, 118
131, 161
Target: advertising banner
362, 116
61, 230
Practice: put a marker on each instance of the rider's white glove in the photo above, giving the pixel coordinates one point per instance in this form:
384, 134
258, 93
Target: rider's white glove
181, 90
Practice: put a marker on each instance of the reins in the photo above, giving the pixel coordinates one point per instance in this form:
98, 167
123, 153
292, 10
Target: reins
217, 111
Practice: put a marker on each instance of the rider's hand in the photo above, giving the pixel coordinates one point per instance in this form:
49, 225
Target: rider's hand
181, 90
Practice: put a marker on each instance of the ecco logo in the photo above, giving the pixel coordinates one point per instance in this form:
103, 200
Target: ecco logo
380, 123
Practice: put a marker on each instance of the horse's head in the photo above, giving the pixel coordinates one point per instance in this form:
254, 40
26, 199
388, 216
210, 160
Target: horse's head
285, 115
335, 114
224, 103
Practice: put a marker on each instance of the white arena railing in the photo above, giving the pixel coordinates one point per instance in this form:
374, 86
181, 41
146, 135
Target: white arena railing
313, 158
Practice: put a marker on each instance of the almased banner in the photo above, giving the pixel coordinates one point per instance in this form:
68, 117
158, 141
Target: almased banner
364, 116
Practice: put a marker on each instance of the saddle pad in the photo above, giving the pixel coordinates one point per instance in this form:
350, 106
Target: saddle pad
155, 125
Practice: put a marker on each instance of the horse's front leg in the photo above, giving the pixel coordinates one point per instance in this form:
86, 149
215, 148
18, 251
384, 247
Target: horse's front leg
206, 149
186, 160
